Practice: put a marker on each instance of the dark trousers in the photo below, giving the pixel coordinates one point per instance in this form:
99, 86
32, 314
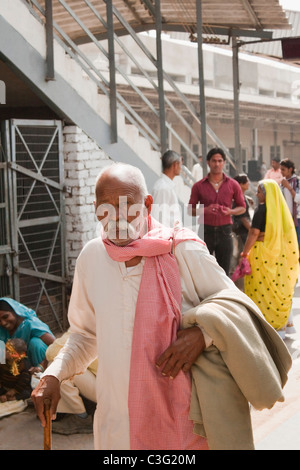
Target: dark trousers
219, 242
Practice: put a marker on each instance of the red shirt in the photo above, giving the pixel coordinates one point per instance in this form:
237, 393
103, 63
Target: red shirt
229, 191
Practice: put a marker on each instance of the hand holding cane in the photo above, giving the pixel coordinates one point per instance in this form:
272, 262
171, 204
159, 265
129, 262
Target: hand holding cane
47, 428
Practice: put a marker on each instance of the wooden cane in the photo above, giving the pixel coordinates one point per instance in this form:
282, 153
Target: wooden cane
47, 428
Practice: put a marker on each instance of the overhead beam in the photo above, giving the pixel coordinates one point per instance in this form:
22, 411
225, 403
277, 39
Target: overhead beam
49, 41
201, 84
214, 30
112, 73
160, 79
252, 14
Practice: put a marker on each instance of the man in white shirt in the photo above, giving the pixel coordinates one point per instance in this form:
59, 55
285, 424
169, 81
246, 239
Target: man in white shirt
129, 293
166, 208
197, 170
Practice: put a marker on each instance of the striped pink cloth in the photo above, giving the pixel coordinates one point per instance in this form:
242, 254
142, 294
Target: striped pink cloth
158, 406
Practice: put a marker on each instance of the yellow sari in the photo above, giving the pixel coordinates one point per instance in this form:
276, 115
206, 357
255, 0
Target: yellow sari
275, 261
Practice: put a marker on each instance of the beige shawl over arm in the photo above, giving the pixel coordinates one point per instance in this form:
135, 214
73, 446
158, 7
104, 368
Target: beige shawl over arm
247, 363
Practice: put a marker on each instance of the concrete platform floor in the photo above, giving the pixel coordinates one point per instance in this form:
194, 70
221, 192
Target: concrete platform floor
275, 429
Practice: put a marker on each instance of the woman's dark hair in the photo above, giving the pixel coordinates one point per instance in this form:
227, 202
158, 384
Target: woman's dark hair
241, 178
288, 164
214, 151
5, 307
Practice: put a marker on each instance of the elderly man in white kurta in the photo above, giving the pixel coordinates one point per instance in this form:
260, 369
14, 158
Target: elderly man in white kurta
105, 302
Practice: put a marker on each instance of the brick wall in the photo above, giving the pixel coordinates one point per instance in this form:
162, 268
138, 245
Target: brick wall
83, 160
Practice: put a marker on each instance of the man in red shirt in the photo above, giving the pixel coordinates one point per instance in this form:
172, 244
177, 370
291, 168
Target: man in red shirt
217, 192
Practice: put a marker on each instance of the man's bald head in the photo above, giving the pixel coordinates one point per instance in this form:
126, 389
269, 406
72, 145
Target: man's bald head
127, 174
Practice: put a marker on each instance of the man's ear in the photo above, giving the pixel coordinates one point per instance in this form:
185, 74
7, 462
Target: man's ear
148, 203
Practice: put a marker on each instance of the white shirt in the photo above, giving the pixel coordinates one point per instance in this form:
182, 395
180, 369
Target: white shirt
297, 200
288, 199
101, 315
197, 172
166, 208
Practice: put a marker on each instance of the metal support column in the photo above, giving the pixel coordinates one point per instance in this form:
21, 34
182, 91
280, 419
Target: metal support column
112, 73
50, 75
236, 94
160, 78
201, 85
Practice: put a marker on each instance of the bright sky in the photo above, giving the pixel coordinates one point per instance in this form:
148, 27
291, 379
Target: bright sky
290, 4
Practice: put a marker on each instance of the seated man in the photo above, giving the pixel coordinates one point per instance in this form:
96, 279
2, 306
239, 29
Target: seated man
77, 404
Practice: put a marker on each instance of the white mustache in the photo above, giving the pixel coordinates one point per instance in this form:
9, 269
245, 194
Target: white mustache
122, 228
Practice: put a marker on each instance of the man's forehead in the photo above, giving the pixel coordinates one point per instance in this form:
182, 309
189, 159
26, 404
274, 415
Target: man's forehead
117, 185
217, 157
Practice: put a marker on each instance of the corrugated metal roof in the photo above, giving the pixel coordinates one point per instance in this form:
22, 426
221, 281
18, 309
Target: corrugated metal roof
178, 15
273, 48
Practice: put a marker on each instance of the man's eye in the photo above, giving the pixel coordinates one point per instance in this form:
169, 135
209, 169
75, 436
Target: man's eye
104, 210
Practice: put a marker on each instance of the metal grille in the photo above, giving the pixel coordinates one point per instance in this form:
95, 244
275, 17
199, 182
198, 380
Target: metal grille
37, 179
5, 248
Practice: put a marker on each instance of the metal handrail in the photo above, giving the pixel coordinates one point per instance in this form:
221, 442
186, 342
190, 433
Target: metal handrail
122, 104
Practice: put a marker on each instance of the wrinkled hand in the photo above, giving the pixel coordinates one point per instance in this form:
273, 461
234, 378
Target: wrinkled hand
48, 388
182, 353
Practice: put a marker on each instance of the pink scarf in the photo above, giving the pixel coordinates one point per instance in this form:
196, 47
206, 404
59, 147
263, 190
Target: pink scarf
158, 406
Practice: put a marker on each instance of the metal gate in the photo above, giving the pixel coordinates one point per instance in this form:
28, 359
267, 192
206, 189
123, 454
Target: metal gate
6, 284
34, 216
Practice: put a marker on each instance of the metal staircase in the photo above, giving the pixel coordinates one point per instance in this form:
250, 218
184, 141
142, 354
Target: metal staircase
121, 112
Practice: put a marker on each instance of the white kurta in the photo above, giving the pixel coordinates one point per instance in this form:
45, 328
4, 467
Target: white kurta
166, 208
101, 315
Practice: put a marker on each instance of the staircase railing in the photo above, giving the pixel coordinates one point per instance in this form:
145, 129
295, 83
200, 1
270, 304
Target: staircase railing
147, 94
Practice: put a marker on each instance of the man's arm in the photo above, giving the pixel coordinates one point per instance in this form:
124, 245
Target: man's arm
252, 237
48, 388
193, 202
239, 201
239, 210
201, 277
78, 352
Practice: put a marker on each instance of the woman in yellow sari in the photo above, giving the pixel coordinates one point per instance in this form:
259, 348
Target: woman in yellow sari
272, 250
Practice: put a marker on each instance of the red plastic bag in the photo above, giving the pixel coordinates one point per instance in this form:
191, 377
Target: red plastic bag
241, 270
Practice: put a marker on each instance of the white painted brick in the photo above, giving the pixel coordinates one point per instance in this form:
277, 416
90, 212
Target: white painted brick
81, 191
94, 163
90, 199
71, 156
73, 174
76, 165
71, 130
94, 172
91, 181
77, 245
83, 162
87, 146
